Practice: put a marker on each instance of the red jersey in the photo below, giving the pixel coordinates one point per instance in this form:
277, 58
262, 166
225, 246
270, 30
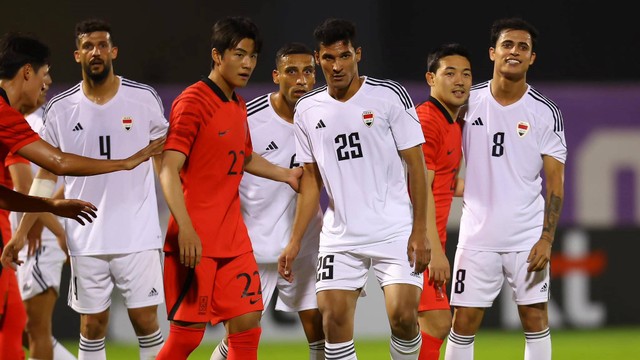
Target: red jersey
214, 135
442, 152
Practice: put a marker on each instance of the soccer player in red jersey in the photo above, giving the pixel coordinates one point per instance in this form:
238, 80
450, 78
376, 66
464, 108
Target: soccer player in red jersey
210, 272
449, 77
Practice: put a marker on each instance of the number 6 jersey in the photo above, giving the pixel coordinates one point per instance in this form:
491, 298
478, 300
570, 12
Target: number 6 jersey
127, 207
503, 208
355, 145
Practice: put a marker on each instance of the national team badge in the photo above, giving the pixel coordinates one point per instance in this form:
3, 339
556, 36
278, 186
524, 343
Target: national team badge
523, 128
127, 122
367, 117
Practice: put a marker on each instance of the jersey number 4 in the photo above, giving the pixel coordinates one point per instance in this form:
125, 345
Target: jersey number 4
348, 146
105, 146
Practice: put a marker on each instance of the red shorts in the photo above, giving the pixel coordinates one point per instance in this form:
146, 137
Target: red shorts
217, 289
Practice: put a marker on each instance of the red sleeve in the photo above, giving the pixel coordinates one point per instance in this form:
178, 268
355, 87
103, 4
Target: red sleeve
15, 131
15, 159
184, 124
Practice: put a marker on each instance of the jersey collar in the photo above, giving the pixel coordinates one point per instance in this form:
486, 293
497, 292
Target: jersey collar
216, 90
4, 96
444, 111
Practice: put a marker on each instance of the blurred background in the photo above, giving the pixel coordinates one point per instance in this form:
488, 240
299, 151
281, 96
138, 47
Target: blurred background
587, 64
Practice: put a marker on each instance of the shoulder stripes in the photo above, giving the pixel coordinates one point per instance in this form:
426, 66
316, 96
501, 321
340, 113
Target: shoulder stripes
59, 97
479, 86
312, 92
394, 86
558, 122
137, 85
257, 104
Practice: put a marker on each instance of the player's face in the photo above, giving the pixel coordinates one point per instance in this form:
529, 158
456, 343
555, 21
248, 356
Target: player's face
35, 88
237, 64
450, 84
339, 63
513, 54
95, 53
295, 75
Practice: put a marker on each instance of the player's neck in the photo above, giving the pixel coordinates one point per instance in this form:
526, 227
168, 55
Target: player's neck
16, 99
347, 93
282, 107
101, 92
223, 84
507, 91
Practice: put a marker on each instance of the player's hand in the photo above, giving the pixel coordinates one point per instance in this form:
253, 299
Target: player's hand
439, 269
190, 247
34, 238
154, 148
419, 251
539, 256
293, 178
10, 252
74, 209
286, 259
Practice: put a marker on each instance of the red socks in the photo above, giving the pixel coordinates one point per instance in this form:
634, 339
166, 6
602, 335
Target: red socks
180, 342
244, 345
430, 349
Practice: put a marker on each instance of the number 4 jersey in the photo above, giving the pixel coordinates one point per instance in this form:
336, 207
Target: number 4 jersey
355, 145
503, 207
127, 207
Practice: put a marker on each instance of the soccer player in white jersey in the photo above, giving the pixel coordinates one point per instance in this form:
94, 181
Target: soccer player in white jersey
107, 116
358, 136
39, 275
512, 133
268, 207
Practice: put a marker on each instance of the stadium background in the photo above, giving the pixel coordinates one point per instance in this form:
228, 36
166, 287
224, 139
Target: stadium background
587, 64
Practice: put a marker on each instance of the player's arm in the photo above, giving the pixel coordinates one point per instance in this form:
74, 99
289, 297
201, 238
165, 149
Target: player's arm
188, 239
459, 189
439, 270
306, 208
540, 254
256, 165
418, 248
60, 163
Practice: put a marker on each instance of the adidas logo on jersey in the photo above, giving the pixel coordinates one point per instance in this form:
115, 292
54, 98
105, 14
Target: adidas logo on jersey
321, 125
78, 127
478, 122
544, 288
153, 292
272, 146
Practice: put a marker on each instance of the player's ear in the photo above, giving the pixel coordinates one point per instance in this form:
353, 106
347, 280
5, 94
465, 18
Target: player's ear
275, 75
216, 56
430, 77
114, 52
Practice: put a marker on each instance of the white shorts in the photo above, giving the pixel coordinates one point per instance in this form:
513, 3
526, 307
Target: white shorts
138, 277
42, 270
348, 270
478, 277
296, 296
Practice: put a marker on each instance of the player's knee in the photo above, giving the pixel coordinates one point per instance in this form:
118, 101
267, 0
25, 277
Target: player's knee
403, 321
94, 326
145, 323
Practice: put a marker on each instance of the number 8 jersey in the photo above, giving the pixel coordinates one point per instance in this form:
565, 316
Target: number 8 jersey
355, 145
503, 207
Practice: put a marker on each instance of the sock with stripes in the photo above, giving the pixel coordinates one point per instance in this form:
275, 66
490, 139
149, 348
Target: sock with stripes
60, 352
537, 345
459, 347
92, 349
220, 352
244, 345
316, 350
405, 349
181, 342
340, 351
430, 349
150, 345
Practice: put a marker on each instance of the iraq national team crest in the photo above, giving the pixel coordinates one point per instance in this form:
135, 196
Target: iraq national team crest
127, 122
523, 128
367, 117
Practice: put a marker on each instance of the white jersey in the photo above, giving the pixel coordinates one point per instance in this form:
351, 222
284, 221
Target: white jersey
268, 207
355, 145
503, 208
127, 207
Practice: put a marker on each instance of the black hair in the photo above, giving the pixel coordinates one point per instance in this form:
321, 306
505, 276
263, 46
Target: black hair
513, 24
433, 59
228, 32
292, 48
18, 49
334, 30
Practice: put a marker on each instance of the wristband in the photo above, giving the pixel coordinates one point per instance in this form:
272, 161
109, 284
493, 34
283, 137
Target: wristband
42, 188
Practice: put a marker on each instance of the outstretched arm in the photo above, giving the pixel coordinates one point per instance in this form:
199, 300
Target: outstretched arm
256, 165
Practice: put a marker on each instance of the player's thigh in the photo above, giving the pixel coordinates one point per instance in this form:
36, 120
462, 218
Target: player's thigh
300, 294
138, 277
476, 279
91, 284
528, 287
41, 271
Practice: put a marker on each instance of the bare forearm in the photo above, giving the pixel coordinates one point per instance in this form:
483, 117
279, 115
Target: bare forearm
552, 214
15, 201
259, 166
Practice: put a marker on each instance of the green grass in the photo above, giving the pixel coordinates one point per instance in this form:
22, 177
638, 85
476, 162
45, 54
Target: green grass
610, 343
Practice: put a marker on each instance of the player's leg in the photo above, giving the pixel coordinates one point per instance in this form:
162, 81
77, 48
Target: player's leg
300, 296
239, 298
39, 312
531, 292
188, 293
476, 281
138, 277
90, 296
